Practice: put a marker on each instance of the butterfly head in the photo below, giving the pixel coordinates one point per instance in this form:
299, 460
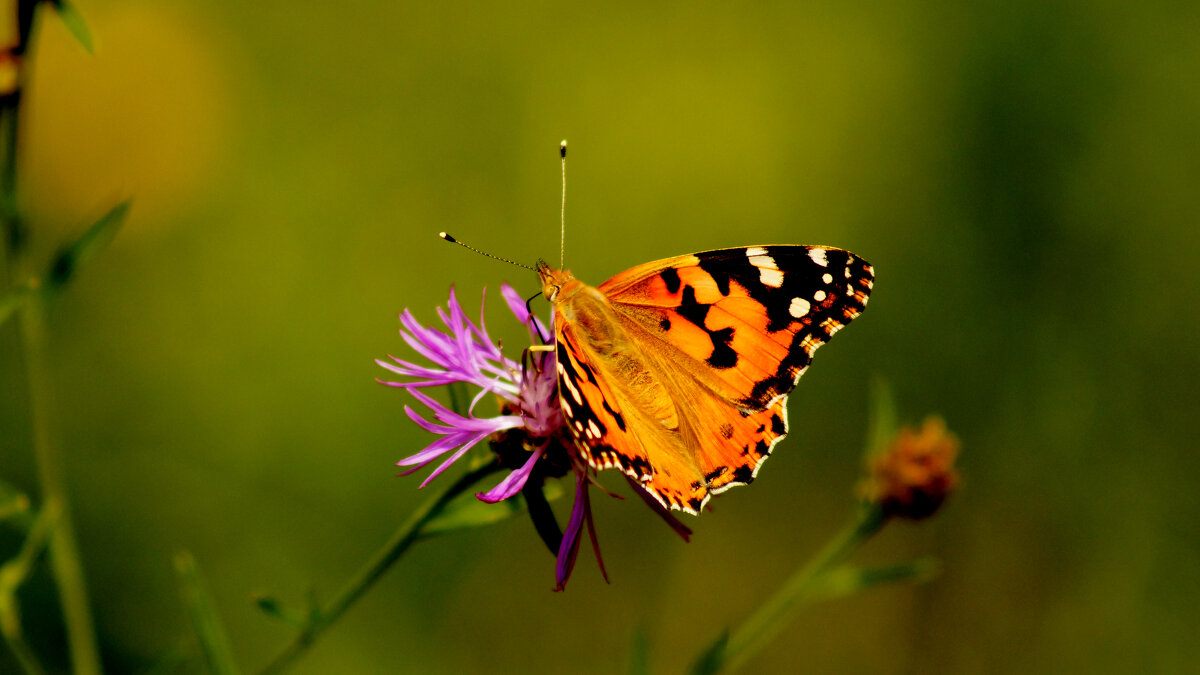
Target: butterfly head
552, 279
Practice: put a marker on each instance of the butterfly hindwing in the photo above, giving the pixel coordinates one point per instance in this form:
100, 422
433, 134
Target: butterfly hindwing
681, 443
613, 432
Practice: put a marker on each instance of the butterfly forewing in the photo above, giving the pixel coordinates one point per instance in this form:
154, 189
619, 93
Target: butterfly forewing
752, 316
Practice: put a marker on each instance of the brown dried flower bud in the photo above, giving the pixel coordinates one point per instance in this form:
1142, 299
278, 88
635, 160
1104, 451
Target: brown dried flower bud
915, 472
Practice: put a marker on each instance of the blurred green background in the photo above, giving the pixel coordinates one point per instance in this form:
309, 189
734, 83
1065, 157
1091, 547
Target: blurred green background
1023, 175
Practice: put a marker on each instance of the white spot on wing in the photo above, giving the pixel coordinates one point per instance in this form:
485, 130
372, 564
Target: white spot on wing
818, 256
770, 277
574, 391
755, 251
799, 307
764, 261
819, 296
827, 278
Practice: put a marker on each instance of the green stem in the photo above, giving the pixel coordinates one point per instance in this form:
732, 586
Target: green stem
64, 552
774, 615
374, 569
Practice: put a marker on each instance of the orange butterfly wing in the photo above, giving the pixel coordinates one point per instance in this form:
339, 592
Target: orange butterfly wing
754, 315
676, 371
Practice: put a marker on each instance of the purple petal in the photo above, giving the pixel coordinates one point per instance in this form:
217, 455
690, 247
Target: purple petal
425, 424
402, 367
516, 304
431, 452
429, 336
427, 346
591, 527
569, 547
453, 458
485, 341
513, 482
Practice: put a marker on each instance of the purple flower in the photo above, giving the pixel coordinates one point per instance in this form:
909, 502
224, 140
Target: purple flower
468, 355
464, 353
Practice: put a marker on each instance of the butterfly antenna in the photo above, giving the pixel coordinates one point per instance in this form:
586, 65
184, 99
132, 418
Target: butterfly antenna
452, 240
562, 252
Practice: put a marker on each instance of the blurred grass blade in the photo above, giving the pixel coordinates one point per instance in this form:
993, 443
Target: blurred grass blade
639, 653
14, 573
712, 659
15, 298
467, 512
201, 609
883, 422
74, 22
846, 581
82, 249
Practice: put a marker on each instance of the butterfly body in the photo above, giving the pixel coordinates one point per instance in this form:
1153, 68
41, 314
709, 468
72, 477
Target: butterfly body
676, 372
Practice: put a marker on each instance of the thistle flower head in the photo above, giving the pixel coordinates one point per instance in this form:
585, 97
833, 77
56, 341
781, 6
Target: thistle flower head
915, 473
528, 434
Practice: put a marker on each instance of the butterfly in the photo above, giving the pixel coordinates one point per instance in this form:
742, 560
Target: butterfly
676, 372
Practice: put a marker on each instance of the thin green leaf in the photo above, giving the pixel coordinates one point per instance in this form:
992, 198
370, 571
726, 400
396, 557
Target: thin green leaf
14, 572
74, 22
639, 653
202, 611
712, 659
845, 581
883, 421
467, 511
82, 249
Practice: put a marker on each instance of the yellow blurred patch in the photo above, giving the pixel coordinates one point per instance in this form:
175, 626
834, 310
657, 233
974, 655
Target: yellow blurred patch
8, 73
147, 117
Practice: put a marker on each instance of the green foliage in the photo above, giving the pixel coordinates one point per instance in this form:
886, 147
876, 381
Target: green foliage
848, 580
74, 22
639, 649
210, 632
80, 251
712, 658
468, 512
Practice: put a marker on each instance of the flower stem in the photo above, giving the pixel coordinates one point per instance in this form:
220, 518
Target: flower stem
772, 617
64, 551
374, 569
